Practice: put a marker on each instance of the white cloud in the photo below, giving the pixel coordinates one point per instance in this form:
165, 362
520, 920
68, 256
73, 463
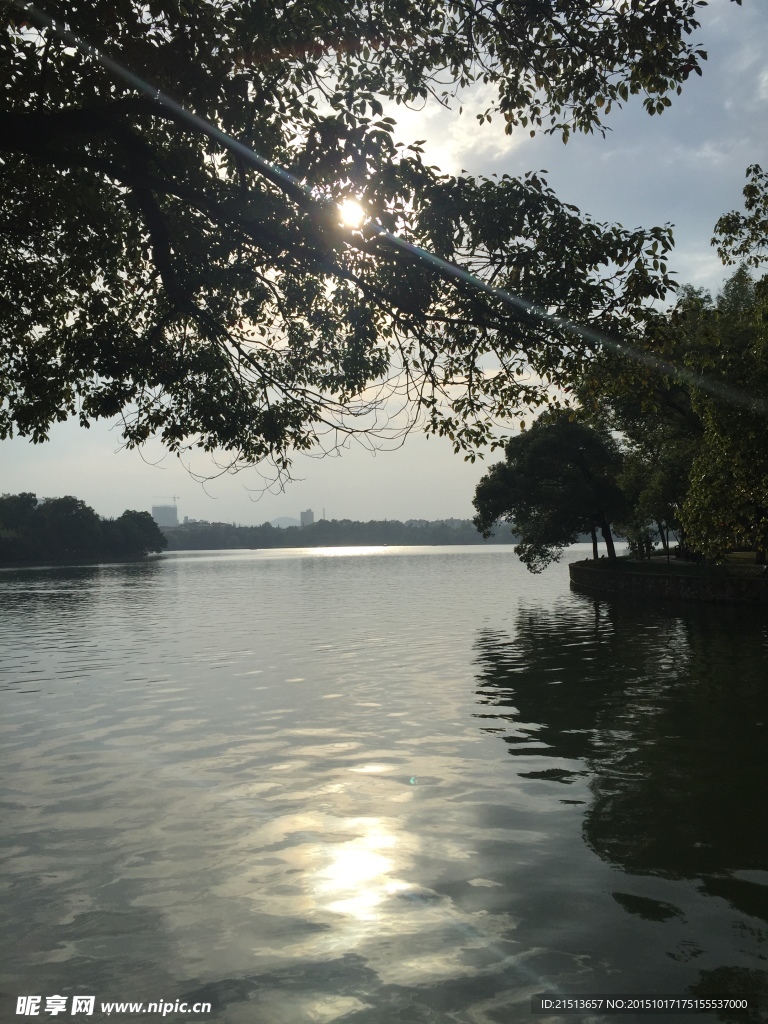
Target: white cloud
454, 138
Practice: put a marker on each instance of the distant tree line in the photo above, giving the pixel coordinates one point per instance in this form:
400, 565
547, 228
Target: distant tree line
325, 533
64, 529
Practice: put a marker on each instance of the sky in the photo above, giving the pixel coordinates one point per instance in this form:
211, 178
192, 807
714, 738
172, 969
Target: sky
686, 167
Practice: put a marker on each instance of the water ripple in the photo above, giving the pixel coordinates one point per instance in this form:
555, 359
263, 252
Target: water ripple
403, 784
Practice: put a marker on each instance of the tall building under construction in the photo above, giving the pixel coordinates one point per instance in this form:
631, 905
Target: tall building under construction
165, 515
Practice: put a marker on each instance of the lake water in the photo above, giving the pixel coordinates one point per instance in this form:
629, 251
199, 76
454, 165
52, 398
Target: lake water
375, 785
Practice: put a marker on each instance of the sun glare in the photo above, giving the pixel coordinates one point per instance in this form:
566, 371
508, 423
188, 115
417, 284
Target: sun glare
352, 213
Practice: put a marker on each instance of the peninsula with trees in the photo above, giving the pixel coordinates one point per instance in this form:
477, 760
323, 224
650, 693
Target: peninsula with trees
67, 530
652, 454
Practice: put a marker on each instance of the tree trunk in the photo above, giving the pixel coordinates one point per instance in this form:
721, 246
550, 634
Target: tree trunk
594, 542
608, 538
681, 545
664, 539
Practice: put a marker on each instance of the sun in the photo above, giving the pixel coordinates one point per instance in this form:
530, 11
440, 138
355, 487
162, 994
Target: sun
352, 213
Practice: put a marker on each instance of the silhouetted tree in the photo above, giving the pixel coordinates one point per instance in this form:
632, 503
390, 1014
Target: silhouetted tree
66, 528
558, 481
16, 526
154, 272
696, 456
132, 535
727, 501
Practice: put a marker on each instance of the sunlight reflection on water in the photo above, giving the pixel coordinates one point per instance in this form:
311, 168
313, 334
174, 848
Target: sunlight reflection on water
411, 784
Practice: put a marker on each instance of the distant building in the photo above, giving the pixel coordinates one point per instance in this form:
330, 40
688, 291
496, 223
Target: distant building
307, 518
165, 515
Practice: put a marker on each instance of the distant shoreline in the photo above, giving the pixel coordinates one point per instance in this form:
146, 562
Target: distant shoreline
330, 533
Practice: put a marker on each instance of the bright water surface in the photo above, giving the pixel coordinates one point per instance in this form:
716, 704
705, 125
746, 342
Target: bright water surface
375, 785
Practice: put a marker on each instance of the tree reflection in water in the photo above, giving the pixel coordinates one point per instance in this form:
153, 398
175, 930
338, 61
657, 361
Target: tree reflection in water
666, 711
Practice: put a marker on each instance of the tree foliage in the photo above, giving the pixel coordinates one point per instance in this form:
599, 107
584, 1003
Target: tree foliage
66, 528
147, 272
651, 412
696, 460
558, 480
727, 501
743, 237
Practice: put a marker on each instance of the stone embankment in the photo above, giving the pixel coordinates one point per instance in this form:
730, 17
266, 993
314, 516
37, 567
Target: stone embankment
715, 587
